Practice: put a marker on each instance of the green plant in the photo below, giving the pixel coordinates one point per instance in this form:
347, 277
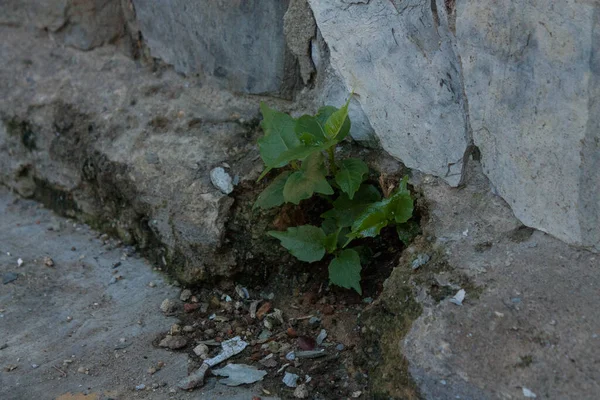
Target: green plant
358, 209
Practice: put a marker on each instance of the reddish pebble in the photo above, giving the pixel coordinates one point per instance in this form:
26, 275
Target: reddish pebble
263, 310
187, 307
291, 332
306, 343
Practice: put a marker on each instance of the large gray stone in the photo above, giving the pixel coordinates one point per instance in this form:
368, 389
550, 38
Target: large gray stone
532, 76
399, 58
240, 43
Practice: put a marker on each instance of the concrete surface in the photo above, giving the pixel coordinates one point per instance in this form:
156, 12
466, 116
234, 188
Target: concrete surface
530, 316
71, 311
133, 158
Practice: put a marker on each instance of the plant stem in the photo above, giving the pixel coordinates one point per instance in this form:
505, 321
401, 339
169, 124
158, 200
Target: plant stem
294, 165
332, 166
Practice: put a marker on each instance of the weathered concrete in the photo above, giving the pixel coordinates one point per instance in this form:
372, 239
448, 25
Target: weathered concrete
71, 311
529, 319
239, 43
399, 59
531, 72
96, 135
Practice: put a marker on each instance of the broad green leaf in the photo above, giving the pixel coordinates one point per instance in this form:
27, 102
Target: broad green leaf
331, 240
307, 139
272, 196
310, 179
311, 125
371, 221
306, 242
329, 226
334, 123
398, 208
408, 231
323, 115
299, 153
344, 270
401, 203
350, 175
401, 207
280, 136
345, 210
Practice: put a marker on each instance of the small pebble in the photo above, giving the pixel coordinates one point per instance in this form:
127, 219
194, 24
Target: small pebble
185, 295
301, 392
167, 306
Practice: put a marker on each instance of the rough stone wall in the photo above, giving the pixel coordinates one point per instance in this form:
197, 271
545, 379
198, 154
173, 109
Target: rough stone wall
516, 78
238, 43
531, 76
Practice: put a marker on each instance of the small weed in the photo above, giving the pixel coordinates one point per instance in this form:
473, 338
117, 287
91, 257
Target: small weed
305, 149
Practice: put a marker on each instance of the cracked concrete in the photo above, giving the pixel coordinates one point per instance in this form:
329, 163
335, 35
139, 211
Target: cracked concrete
71, 311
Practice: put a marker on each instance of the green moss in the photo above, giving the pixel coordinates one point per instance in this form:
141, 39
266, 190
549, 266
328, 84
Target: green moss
386, 326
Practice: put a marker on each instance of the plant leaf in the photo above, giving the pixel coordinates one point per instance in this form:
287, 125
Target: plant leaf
311, 125
279, 136
323, 115
272, 196
401, 203
344, 270
345, 210
310, 179
398, 208
350, 175
408, 231
306, 242
371, 221
336, 120
331, 241
401, 207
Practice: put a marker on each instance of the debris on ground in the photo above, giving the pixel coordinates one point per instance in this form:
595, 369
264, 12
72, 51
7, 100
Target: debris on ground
421, 260
321, 337
9, 277
221, 180
239, 374
201, 351
168, 306
528, 393
48, 262
173, 342
458, 297
230, 348
290, 380
185, 295
301, 392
